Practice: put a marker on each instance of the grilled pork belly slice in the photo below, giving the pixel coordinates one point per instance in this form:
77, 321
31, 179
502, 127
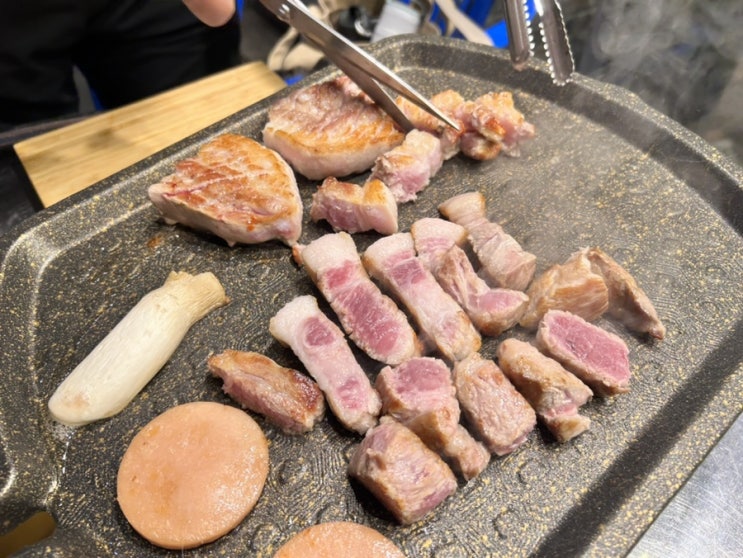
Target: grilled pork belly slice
321, 347
407, 477
433, 236
497, 413
472, 143
488, 125
599, 358
419, 393
466, 455
476, 146
408, 168
492, 311
467, 140
495, 116
573, 286
449, 102
492, 124
286, 397
352, 208
555, 393
391, 260
370, 318
234, 188
504, 263
628, 303
330, 129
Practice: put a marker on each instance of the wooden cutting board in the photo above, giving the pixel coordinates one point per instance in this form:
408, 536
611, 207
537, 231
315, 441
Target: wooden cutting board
64, 161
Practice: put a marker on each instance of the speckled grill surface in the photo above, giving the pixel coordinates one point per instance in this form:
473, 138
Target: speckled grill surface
604, 170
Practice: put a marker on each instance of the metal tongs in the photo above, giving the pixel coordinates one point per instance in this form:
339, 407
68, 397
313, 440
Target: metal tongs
553, 32
367, 72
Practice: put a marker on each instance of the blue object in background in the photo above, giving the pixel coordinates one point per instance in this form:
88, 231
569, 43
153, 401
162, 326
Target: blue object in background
499, 31
291, 80
479, 11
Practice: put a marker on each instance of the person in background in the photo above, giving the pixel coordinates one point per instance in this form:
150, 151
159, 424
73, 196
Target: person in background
212, 12
126, 49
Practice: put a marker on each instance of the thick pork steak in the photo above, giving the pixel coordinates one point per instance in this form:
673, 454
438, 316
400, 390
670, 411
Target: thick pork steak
234, 188
330, 129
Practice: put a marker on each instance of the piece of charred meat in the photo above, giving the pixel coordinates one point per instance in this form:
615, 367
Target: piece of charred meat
488, 125
352, 208
408, 168
323, 350
493, 408
504, 262
573, 286
234, 188
599, 358
370, 318
450, 103
391, 260
472, 143
330, 129
286, 397
419, 393
495, 116
407, 477
555, 393
628, 303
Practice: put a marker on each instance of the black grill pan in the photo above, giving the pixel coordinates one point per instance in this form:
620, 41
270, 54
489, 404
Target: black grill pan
604, 170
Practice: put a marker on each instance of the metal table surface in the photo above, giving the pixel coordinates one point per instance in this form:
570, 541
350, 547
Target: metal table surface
705, 518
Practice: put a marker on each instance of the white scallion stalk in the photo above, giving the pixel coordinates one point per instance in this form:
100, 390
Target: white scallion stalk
134, 351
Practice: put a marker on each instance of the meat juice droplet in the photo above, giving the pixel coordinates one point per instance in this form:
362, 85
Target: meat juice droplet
64, 434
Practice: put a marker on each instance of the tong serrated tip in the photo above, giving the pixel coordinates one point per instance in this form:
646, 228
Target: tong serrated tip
555, 40
552, 32
520, 38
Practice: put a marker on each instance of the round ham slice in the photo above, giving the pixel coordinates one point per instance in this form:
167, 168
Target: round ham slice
339, 538
192, 474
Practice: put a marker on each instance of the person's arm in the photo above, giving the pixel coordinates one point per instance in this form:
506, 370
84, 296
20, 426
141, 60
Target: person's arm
212, 12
